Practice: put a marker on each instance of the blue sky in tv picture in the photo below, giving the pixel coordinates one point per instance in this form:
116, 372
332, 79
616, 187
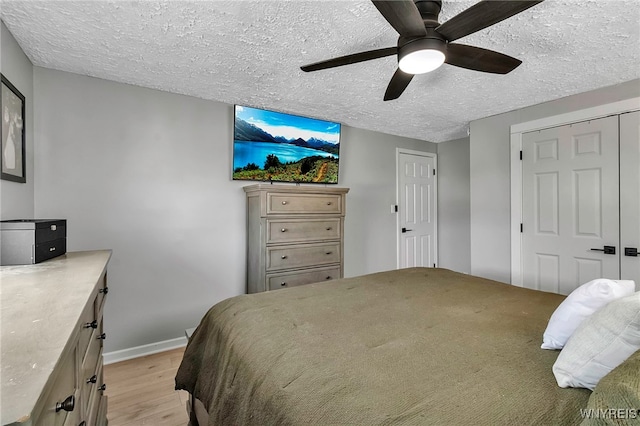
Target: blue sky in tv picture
274, 146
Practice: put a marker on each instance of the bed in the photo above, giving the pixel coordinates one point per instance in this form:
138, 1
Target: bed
412, 346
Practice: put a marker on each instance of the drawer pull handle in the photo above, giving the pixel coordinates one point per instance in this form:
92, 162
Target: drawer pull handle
92, 379
329, 228
283, 256
66, 405
92, 324
329, 277
283, 284
329, 252
103, 387
52, 249
284, 203
104, 290
102, 336
54, 227
283, 230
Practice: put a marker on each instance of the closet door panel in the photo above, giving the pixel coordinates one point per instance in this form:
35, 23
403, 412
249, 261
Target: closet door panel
630, 196
570, 205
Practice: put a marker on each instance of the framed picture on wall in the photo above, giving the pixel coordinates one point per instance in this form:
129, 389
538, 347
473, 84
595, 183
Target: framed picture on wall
12, 156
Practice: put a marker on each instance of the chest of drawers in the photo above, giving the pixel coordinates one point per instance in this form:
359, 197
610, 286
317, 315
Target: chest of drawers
295, 235
52, 338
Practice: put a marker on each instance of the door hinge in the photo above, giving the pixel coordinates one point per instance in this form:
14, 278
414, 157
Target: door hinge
521, 228
520, 155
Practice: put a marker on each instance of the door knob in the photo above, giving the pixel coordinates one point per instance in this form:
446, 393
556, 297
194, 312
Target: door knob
406, 230
606, 249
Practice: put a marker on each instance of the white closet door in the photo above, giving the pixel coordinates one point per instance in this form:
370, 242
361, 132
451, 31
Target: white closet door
630, 196
570, 205
417, 190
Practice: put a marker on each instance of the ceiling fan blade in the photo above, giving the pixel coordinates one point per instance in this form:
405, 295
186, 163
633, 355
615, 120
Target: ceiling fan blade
398, 83
479, 59
482, 15
403, 15
350, 59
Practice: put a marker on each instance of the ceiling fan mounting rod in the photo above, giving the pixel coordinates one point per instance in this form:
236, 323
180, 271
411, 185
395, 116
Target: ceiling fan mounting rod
429, 11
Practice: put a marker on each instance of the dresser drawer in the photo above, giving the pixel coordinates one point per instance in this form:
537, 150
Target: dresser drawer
89, 379
302, 255
103, 289
64, 386
299, 230
97, 397
88, 324
278, 203
292, 279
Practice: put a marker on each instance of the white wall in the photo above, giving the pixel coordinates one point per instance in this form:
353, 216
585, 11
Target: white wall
454, 206
147, 174
490, 180
16, 199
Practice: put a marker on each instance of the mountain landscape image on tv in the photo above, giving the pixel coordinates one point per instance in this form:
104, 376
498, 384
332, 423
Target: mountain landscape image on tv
274, 146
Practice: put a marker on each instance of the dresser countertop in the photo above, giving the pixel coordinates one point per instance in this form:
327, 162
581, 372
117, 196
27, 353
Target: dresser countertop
40, 309
295, 188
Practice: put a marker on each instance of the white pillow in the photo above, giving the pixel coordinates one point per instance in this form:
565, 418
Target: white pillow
581, 303
601, 343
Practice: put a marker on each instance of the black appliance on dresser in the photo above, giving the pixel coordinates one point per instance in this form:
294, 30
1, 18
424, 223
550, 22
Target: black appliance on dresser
28, 241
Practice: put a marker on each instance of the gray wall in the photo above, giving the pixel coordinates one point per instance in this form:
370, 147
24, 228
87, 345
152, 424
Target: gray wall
454, 205
16, 199
490, 179
368, 167
147, 174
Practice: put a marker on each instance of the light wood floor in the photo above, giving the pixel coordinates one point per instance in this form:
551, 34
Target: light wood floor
141, 391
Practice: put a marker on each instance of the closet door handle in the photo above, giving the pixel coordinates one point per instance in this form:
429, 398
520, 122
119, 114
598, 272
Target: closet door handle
606, 249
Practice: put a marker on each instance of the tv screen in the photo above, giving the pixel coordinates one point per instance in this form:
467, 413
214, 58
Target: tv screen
273, 146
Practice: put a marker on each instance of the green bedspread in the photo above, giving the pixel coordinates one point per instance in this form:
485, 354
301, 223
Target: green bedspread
417, 346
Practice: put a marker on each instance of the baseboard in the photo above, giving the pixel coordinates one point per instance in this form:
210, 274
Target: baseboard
138, 351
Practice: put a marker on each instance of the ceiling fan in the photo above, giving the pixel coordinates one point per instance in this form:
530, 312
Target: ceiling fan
425, 44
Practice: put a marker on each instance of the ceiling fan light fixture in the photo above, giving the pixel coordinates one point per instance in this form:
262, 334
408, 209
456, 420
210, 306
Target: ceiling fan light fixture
421, 56
421, 61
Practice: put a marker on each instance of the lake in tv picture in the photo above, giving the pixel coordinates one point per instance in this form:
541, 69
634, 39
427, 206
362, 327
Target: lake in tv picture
273, 146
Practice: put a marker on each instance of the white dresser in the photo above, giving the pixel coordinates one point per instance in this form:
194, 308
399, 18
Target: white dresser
52, 341
295, 235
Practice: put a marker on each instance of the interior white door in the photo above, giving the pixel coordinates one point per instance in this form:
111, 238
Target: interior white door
570, 205
417, 210
630, 197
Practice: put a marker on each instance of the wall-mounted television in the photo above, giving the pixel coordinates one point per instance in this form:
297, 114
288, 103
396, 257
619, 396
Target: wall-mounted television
278, 147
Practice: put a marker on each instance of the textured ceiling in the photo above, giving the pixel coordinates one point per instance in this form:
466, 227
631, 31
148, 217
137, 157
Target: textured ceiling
249, 53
